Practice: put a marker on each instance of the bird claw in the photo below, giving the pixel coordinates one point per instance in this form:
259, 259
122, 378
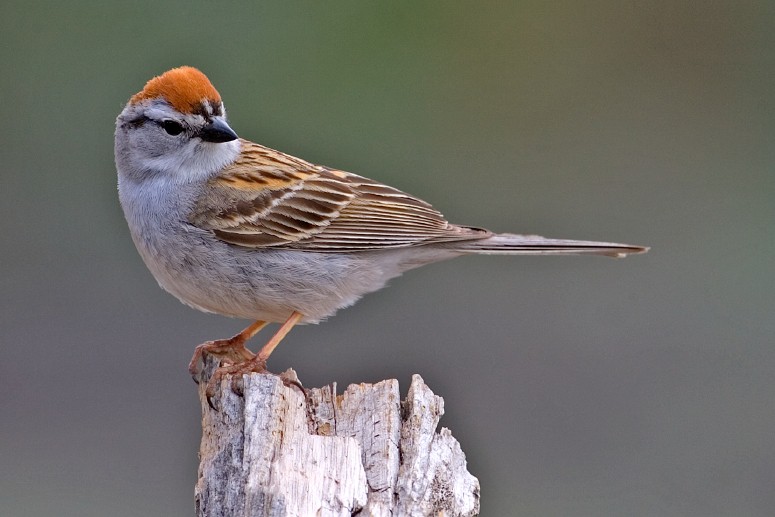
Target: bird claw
230, 350
238, 385
210, 388
210, 402
196, 359
237, 382
235, 372
238, 359
290, 378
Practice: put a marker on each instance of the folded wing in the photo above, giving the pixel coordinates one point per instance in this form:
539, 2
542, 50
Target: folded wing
268, 199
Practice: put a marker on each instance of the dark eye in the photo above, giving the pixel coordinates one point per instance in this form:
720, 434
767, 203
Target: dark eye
171, 127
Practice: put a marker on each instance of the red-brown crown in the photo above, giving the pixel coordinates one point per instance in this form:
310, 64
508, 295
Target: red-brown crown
184, 88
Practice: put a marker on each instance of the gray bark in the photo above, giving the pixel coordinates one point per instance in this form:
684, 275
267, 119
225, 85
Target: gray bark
274, 452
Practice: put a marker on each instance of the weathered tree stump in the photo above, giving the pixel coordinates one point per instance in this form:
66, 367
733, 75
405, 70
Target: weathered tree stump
274, 452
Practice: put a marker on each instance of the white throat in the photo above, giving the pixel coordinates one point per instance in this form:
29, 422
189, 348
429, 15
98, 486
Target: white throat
196, 162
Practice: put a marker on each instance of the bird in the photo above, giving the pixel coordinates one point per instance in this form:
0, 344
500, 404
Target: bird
232, 227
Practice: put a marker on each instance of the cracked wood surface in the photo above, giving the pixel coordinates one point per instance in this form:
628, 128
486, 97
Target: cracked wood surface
274, 452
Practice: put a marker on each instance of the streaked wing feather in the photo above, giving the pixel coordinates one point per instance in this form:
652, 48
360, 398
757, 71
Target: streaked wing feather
270, 199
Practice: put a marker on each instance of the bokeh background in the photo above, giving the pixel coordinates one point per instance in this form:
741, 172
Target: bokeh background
576, 386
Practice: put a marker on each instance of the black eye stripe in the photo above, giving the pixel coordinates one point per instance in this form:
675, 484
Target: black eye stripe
172, 127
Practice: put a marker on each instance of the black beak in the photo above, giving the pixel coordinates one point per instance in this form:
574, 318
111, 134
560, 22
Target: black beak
217, 131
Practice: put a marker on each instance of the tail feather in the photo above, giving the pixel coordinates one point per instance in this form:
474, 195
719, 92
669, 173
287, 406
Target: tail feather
513, 244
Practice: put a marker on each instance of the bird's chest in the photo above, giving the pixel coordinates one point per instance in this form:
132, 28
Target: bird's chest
157, 214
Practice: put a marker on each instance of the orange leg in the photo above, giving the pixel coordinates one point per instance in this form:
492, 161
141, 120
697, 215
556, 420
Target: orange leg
269, 347
257, 362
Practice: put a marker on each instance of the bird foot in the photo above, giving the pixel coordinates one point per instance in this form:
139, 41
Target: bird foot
230, 351
236, 372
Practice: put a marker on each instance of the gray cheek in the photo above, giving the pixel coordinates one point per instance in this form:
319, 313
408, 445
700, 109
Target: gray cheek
150, 143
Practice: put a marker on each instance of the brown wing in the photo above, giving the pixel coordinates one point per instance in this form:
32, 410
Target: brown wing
270, 199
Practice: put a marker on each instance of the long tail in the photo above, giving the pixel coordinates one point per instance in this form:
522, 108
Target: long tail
512, 244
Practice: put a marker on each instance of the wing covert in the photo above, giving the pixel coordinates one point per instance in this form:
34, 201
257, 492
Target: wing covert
267, 199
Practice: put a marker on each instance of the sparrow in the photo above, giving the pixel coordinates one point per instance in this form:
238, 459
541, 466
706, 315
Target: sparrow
231, 227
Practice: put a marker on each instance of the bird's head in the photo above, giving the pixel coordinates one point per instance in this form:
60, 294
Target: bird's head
175, 126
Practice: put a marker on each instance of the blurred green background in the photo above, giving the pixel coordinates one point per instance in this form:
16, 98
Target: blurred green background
576, 386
